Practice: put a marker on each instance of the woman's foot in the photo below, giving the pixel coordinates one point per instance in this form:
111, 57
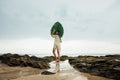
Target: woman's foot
57, 60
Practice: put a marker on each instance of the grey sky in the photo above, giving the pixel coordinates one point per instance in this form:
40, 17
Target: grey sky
82, 19
91, 26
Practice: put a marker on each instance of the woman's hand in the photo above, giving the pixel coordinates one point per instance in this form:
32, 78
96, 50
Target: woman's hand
53, 31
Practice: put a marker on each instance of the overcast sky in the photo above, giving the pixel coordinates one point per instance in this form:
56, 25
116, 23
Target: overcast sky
91, 21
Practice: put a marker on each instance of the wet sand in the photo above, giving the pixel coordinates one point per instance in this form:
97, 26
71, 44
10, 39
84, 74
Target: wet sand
7, 73
67, 72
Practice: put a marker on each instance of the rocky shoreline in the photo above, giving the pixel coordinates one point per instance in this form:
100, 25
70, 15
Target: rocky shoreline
26, 60
106, 66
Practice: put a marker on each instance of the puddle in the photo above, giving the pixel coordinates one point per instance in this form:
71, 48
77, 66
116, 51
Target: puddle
66, 70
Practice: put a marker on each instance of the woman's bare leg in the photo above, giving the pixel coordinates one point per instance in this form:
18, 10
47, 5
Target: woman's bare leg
54, 54
58, 52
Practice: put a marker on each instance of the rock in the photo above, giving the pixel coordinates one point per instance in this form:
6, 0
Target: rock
35, 58
47, 73
106, 66
74, 61
48, 59
25, 60
113, 56
39, 64
63, 58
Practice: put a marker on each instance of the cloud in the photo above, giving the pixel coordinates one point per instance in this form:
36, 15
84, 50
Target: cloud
37, 46
91, 19
93, 25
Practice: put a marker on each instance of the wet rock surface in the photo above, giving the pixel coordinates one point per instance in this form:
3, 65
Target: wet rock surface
64, 57
47, 73
25, 60
106, 66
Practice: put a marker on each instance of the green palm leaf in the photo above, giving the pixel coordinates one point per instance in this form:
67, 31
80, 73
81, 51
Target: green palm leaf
57, 27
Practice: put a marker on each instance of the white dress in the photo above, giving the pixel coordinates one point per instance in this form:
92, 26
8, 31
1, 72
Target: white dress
56, 42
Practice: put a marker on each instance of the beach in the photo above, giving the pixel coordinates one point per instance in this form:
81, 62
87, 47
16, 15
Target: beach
8, 73
67, 72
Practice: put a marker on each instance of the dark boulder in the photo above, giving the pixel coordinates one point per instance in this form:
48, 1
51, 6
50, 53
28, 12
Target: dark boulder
47, 73
63, 58
48, 59
106, 66
24, 60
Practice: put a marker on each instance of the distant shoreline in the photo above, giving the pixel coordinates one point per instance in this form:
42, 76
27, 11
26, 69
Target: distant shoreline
70, 55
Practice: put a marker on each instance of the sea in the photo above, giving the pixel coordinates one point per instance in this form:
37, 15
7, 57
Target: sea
67, 54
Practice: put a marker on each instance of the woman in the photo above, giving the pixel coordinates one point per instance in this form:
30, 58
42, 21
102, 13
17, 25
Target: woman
56, 46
